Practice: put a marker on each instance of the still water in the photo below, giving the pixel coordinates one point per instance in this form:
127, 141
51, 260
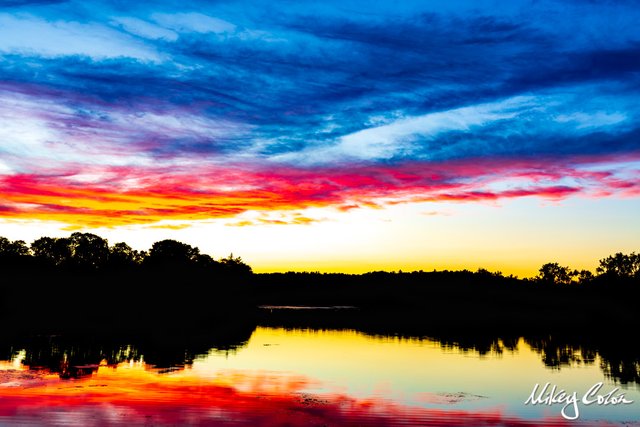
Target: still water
315, 377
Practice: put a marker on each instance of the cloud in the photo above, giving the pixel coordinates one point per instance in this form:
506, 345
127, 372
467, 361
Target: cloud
590, 120
279, 218
171, 226
199, 192
391, 140
15, 3
145, 29
436, 213
52, 127
193, 22
63, 38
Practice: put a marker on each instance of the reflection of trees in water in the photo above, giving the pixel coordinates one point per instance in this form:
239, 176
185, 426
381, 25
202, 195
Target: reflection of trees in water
619, 356
68, 358
626, 370
556, 353
481, 345
78, 356
619, 360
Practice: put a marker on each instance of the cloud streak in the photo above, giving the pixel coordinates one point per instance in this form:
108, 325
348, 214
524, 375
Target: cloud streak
129, 195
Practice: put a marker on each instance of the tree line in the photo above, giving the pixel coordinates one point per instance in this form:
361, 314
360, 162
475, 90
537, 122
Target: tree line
89, 252
86, 251
617, 268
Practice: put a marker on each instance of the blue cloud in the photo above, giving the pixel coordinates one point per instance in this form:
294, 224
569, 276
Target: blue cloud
305, 79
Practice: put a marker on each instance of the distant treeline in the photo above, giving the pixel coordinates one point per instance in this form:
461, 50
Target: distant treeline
89, 252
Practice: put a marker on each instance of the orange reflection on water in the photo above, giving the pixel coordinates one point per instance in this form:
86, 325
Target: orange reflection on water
136, 394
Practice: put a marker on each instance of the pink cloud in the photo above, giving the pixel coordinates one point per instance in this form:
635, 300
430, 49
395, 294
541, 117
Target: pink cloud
147, 194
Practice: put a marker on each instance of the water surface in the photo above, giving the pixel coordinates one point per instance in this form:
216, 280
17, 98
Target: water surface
308, 377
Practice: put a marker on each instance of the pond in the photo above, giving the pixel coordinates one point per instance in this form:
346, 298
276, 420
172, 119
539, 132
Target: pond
314, 377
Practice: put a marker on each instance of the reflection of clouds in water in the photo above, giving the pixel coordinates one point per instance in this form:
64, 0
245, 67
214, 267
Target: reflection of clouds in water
11, 377
135, 395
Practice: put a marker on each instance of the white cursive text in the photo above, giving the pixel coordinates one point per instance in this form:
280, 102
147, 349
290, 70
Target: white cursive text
570, 401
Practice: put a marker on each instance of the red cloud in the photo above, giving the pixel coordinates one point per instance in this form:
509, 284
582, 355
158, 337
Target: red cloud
130, 195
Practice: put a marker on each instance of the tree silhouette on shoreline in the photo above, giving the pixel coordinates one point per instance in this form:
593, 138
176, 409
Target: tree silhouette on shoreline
170, 253
621, 266
89, 252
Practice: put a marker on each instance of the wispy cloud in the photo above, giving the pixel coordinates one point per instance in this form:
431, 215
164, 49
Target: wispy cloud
192, 22
128, 195
145, 29
64, 38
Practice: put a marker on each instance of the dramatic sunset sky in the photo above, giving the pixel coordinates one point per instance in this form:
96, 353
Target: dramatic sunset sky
332, 136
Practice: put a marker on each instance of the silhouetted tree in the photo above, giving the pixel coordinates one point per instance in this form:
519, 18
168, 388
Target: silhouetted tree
483, 272
88, 250
584, 276
54, 250
122, 255
171, 253
13, 249
205, 262
555, 274
620, 266
235, 266
13, 255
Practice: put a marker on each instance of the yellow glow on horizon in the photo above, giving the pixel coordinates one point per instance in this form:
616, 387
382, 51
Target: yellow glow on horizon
515, 236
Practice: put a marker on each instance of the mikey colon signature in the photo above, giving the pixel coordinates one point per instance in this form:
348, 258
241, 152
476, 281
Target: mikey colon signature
571, 410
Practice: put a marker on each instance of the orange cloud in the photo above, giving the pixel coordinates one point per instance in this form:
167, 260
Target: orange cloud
148, 195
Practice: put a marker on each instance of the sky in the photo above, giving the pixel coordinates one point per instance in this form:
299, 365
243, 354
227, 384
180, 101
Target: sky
327, 136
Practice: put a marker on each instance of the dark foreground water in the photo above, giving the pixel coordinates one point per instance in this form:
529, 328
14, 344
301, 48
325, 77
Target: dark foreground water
311, 377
